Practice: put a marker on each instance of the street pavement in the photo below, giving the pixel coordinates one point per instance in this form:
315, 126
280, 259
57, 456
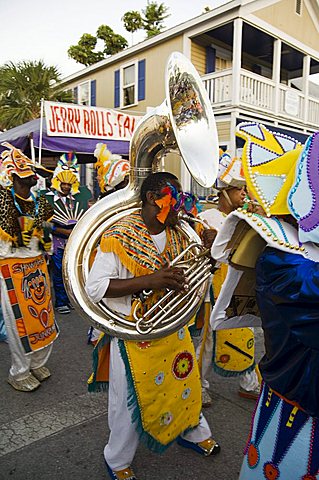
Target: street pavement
58, 432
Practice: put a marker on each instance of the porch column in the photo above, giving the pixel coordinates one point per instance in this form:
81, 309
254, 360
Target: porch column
276, 73
237, 48
305, 86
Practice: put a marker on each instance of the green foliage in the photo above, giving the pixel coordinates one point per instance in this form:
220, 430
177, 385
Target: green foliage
113, 42
132, 21
83, 52
151, 20
22, 86
154, 16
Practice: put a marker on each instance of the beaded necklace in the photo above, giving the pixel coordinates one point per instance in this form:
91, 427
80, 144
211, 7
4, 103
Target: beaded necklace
262, 222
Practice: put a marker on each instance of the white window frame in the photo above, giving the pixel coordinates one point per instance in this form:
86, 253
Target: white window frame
80, 85
126, 65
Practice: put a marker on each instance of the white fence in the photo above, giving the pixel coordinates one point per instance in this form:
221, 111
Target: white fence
262, 95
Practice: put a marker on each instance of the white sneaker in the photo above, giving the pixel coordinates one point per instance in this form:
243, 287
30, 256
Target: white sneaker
27, 385
41, 373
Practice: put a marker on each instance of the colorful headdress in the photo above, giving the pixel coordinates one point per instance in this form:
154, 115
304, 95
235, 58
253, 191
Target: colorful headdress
303, 198
269, 161
230, 172
14, 161
111, 169
67, 171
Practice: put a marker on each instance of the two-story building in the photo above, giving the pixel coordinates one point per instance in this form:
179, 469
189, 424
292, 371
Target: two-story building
255, 57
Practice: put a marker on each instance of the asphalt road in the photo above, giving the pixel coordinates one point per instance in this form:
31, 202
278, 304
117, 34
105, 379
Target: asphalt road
59, 431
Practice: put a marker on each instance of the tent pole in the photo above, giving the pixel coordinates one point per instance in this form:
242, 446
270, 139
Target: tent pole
32, 150
41, 128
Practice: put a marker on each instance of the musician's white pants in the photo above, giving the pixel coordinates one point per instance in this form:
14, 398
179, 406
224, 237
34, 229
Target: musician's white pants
123, 440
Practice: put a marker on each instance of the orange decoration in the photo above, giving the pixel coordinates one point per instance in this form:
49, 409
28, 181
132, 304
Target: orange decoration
271, 471
165, 203
253, 456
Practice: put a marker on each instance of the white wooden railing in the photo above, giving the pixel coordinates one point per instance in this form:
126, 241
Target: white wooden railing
262, 95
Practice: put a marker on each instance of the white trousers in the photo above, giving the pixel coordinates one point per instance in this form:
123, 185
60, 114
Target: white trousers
123, 440
21, 364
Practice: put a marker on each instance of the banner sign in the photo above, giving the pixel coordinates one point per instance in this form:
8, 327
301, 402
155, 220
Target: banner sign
70, 120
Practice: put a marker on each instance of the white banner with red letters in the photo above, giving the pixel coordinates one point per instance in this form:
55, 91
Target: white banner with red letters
70, 120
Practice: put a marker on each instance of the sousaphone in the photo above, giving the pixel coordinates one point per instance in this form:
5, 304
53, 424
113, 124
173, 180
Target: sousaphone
184, 123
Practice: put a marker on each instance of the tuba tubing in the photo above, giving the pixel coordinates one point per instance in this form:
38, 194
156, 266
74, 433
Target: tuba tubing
156, 134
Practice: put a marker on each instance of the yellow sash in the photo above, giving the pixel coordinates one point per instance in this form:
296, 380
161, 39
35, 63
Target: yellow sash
28, 288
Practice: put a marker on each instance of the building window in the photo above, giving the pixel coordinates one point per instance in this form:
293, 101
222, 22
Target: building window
84, 93
298, 7
129, 82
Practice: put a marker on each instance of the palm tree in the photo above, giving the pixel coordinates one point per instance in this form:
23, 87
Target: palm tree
22, 86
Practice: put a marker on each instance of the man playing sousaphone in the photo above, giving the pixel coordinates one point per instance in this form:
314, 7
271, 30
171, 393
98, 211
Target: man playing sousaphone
25, 284
154, 386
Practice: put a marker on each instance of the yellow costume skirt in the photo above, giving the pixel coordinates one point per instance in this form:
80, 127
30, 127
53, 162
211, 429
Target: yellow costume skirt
164, 386
28, 288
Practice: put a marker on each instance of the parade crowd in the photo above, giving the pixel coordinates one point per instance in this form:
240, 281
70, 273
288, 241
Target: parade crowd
260, 227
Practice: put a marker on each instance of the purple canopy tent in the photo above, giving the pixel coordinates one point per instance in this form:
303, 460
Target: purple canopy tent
21, 136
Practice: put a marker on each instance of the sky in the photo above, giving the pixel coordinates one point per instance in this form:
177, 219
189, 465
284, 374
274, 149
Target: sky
44, 30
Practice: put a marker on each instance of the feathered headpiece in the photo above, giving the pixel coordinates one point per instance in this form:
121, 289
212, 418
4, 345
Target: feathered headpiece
230, 172
67, 171
111, 169
14, 161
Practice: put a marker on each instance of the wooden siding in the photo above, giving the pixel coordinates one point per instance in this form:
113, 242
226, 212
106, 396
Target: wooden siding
223, 129
198, 57
283, 16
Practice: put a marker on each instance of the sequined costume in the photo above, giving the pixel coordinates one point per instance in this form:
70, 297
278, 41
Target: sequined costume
284, 439
154, 386
25, 285
27, 352
288, 410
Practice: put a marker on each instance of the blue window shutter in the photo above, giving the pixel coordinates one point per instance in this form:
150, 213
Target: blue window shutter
116, 88
75, 94
141, 80
210, 59
93, 93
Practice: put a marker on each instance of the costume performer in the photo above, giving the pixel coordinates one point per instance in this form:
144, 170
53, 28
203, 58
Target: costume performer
112, 174
283, 176
231, 352
70, 201
154, 389
25, 284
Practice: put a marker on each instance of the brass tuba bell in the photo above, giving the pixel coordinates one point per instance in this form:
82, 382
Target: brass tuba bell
187, 126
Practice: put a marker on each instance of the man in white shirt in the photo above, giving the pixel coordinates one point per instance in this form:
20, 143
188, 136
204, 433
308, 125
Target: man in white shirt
147, 399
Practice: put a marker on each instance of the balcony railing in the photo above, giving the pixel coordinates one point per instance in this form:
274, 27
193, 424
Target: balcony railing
263, 96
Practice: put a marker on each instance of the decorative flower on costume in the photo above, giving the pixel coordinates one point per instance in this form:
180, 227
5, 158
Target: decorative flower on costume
67, 171
172, 198
183, 365
111, 168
